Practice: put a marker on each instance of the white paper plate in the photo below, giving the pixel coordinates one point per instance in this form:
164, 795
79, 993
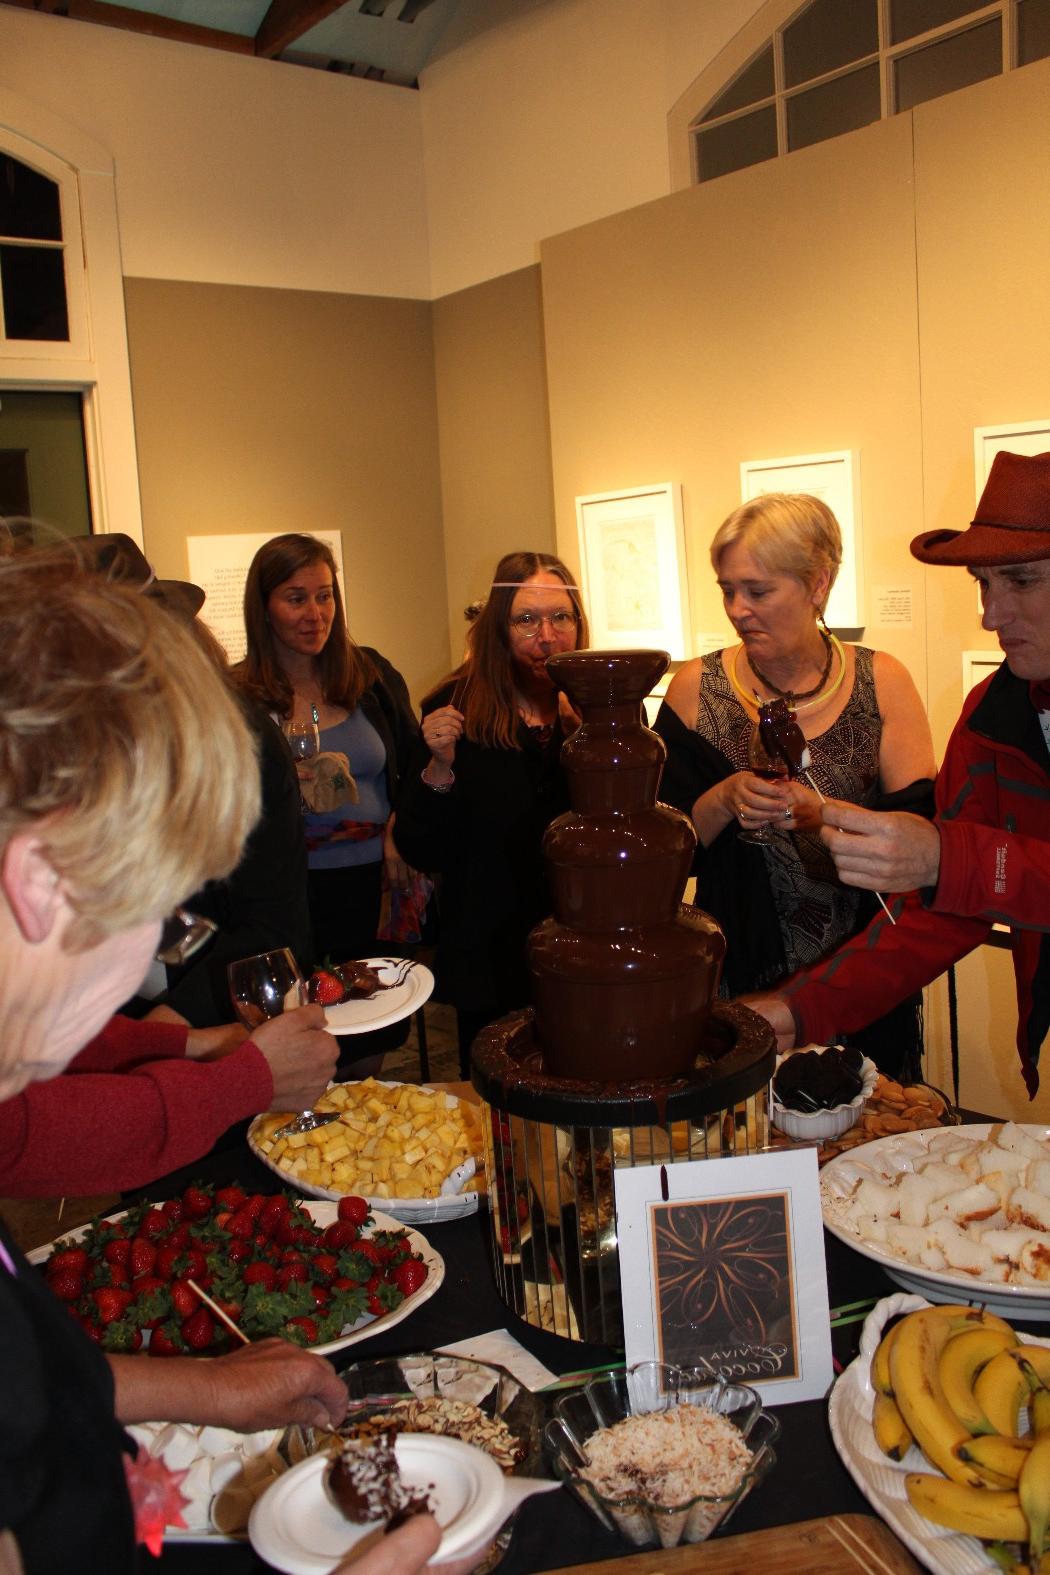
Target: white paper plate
882, 1480
888, 1157
409, 1211
296, 1527
324, 1214
388, 1006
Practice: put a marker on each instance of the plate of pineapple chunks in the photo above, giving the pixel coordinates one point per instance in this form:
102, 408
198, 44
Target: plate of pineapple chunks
414, 1152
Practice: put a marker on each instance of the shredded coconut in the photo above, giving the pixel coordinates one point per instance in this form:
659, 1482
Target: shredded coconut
667, 1457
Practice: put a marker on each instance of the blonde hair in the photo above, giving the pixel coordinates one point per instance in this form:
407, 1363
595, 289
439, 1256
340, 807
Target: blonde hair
788, 532
119, 743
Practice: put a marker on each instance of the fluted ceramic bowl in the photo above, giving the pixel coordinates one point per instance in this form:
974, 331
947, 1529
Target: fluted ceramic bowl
820, 1126
645, 1388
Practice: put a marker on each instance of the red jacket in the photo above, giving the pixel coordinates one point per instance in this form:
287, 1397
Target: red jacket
993, 812
128, 1109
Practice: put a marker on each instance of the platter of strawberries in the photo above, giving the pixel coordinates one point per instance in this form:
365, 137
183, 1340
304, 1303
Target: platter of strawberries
321, 1275
369, 992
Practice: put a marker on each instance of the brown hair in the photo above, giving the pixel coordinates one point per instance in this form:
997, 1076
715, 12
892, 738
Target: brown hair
119, 742
345, 670
486, 677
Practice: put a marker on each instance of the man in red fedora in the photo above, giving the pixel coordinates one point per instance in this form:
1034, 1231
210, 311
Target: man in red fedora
985, 858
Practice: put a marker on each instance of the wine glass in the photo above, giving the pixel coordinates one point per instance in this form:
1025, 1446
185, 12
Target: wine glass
771, 768
304, 739
265, 986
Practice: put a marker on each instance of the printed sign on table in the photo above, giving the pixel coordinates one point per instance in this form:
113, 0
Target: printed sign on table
723, 1270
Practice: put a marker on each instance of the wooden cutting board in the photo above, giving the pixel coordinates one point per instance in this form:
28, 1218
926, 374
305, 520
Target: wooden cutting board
841, 1545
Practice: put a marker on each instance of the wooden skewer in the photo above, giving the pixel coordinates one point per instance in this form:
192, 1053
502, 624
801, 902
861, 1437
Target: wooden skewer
217, 1310
823, 800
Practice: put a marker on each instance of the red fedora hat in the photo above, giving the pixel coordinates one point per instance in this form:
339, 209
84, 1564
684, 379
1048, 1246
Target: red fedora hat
1012, 522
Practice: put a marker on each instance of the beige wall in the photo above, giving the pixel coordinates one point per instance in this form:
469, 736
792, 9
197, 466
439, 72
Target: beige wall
552, 119
273, 410
233, 169
496, 486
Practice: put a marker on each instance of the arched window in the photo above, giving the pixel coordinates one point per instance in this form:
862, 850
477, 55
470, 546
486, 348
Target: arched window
63, 337
835, 65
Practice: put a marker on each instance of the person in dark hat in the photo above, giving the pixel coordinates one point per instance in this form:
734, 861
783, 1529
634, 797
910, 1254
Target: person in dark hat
121, 560
985, 858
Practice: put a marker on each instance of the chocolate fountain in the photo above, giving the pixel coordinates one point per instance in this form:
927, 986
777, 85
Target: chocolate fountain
627, 1058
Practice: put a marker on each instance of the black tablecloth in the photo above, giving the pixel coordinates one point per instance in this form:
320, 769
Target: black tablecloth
808, 1480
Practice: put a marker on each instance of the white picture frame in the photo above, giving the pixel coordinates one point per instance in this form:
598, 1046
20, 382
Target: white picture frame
1017, 437
759, 1218
632, 565
976, 666
835, 479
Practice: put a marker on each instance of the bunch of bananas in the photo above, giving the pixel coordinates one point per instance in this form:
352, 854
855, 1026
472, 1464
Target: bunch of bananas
954, 1381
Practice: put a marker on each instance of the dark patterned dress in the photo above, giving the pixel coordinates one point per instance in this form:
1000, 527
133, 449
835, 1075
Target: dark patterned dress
816, 912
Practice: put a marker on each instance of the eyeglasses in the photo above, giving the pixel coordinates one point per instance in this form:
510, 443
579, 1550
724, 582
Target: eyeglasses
182, 934
527, 625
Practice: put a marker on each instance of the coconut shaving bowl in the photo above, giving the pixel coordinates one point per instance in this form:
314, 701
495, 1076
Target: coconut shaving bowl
648, 1387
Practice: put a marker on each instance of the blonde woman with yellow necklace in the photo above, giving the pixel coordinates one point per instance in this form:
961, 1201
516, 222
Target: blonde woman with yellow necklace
782, 905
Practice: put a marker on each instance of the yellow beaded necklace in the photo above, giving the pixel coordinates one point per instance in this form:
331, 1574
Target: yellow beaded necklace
821, 699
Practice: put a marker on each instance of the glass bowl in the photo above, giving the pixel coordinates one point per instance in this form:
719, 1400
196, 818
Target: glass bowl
644, 1388
820, 1126
373, 1386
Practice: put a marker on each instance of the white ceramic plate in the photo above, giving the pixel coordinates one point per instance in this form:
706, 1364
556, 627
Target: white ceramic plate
324, 1214
888, 1157
409, 1211
882, 1480
296, 1527
387, 1006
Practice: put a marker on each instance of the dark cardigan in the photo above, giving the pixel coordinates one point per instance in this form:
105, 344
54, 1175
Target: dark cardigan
483, 839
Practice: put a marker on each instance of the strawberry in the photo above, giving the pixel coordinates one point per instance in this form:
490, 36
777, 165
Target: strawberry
117, 1251
272, 1212
410, 1275
143, 1255
354, 1210
241, 1224
307, 1326
340, 1234
239, 1251
260, 1274
166, 1341
375, 1288
230, 1198
153, 1223
321, 1295
325, 1266
74, 1258
112, 1301
196, 1203
372, 1253
172, 1210
198, 1331
289, 1273
67, 1285
167, 1258
184, 1301
325, 988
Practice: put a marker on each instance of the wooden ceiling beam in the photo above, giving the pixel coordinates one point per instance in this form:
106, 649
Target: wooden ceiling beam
141, 22
287, 20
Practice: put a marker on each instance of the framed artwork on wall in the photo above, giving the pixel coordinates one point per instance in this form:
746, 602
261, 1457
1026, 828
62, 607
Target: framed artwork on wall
835, 479
977, 665
1017, 437
632, 557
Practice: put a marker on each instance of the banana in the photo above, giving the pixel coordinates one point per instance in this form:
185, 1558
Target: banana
1001, 1388
1039, 1404
1033, 1488
980, 1512
891, 1431
880, 1363
914, 1357
999, 1460
960, 1362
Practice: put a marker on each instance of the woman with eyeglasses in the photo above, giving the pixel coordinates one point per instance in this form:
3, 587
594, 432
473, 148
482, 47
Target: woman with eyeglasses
487, 782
